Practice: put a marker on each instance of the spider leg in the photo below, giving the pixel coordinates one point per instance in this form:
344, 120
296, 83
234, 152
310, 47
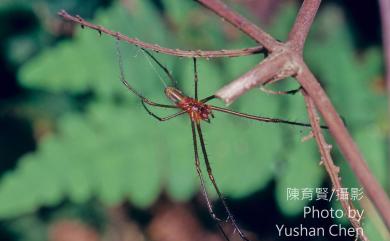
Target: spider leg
211, 97
195, 79
161, 118
202, 183
129, 87
288, 92
212, 179
174, 82
260, 118
199, 171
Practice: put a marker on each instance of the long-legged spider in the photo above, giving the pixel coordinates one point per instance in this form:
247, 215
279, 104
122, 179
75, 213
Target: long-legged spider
197, 111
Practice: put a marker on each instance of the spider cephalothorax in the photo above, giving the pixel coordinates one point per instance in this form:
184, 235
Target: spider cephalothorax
196, 109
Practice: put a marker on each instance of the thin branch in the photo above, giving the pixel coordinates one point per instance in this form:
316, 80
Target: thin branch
326, 160
241, 23
157, 48
274, 67
302, 25
345, 142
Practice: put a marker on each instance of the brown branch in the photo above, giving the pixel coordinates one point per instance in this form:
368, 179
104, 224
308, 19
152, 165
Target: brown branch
326, 160
157, 48
294, 45
274, 67
346, 145
241, 23
302, 25
294, 58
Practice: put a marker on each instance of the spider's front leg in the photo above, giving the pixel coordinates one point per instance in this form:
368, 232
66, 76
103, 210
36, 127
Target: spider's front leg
164, 106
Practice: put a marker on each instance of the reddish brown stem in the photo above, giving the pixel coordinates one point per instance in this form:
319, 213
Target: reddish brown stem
262, 73
293, 47
326, 160
302, 25
346, 145
309, 83
241, 23
157, 48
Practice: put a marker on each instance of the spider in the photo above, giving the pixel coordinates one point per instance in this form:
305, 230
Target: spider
198, 111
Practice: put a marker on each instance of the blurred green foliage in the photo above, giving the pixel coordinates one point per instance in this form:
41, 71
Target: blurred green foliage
107, 147
32, 24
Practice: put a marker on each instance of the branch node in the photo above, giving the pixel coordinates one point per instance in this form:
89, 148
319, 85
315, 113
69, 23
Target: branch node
337, 170
328, 147
321, 161
307, 137
79, 18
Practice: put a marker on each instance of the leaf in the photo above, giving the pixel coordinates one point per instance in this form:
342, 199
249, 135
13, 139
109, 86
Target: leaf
283, 22
178, 160
371, 141
178, 11
301, 158
89, 62
346, 79
209, 77
91, 156
370, 229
